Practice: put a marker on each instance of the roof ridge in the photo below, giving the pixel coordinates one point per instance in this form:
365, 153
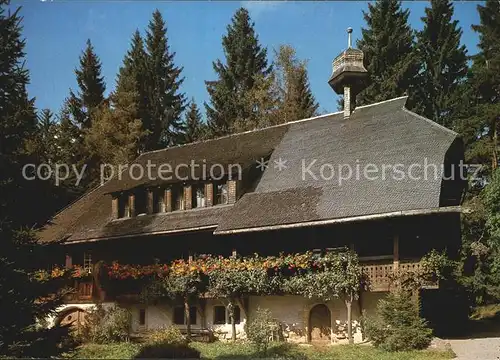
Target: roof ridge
241, 133
269, 127
431, 122
382, 102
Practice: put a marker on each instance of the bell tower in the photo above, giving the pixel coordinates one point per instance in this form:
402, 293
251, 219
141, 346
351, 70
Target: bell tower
349, 75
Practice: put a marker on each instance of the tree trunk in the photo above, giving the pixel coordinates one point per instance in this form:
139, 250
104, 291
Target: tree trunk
348, 303
188, 319
230, 309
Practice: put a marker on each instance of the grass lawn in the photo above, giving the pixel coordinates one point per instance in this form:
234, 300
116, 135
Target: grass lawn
226, 351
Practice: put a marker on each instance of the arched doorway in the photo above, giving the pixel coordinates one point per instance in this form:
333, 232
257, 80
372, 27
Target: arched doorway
75, 317
320, 324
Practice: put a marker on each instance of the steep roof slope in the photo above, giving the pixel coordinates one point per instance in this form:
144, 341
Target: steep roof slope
377, 136
382, 134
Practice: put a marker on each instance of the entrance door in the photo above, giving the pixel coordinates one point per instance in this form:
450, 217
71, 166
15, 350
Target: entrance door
320, 321
75, 318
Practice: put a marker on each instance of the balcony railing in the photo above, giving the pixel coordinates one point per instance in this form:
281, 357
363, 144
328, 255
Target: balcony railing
380, 275
83, 291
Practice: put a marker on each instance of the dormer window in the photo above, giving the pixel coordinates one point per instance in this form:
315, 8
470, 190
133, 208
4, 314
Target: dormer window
177, 198
220, 193
159, 200
141, 202
123, 206
198, 196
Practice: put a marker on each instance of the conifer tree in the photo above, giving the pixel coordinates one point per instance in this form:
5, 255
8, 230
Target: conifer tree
115, 135
388, 46
444, 63
23, 300
195, 129
134, 71
46, 136
165, 100
296, 98
245, 61
91, 88
480, 104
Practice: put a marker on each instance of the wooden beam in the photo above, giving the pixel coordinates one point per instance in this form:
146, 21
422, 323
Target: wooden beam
69, 261
395, 260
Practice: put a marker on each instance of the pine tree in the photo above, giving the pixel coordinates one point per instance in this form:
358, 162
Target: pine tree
195, 128
296, 98
24, 300
444, 63
115, 135
44, 143
480, 104
91, 88
246, 60
388, 46
163, 82
134, 71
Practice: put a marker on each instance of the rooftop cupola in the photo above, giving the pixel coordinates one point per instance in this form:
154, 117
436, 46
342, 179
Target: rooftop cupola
349, 75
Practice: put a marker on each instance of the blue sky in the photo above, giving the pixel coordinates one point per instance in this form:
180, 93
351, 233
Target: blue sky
56, 32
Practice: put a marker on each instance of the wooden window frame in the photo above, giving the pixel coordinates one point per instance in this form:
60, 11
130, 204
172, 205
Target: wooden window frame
218, 194
195, 189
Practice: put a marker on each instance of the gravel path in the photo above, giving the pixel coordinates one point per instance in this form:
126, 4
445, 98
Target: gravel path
476, 349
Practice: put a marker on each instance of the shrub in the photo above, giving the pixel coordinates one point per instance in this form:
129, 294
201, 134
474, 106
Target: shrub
260, 328
106, 325
167, 351
397, 325
168, 335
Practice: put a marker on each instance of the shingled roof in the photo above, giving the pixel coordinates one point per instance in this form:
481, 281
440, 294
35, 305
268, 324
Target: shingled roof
382, 133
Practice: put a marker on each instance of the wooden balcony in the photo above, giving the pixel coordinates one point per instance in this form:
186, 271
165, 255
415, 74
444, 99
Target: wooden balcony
83, 292
380, 274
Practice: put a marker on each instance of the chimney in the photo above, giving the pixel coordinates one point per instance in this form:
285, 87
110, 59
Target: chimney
349, 75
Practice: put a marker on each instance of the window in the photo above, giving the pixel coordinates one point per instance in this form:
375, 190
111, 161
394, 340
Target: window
198, 195
179, 315
142, 317
141, 202
220, 193
159, 200
180, 319
178, 198
193, 313
123, 206
87, 261
219, 315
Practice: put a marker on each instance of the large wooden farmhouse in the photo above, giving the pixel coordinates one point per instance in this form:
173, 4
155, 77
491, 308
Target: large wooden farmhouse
285, 188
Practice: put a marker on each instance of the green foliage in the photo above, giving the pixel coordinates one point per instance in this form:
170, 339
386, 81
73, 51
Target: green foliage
168, 335
245, 64
24, 300
259, 329
116, 133
194, 128
124, 350
91, 88
106, 325
165, 102
388, 46
340, 276
444, 62
246, 351
296, 98
397, 325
